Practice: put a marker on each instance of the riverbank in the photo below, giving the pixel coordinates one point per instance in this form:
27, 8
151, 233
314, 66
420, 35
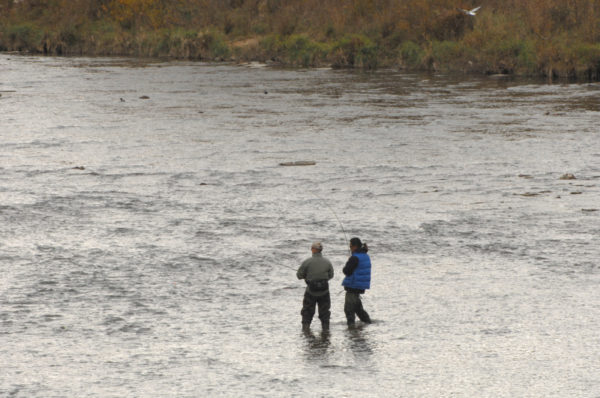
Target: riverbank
554, 42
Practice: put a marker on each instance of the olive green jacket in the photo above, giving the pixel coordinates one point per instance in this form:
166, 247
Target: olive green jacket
315, 268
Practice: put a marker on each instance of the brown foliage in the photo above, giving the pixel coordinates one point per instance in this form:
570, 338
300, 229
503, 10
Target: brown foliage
505, 35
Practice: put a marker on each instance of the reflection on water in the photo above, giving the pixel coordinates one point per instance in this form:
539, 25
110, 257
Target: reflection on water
359, 341
317, 344
346, 345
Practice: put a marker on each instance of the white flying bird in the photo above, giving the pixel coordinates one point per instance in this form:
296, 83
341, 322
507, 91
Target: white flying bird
469, 12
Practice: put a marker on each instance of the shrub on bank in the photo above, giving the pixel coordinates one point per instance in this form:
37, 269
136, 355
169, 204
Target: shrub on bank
588, 60
295, 50
411, 55
182, 43
355, 51
300, 50
22, 37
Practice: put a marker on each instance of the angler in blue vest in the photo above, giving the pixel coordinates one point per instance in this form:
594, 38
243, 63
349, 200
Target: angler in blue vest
357, 280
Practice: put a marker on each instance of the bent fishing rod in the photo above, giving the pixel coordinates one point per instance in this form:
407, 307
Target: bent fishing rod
335, 215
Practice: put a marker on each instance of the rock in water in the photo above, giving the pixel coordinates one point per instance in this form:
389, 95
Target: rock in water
568, 176
299, 163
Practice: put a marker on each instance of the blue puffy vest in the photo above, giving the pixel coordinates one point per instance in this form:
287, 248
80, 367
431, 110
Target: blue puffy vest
361, 277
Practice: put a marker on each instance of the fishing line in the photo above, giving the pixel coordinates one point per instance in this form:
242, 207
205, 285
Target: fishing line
335, 215
339, 221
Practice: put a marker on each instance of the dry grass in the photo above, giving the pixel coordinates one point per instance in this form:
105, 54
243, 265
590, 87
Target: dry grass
548, 37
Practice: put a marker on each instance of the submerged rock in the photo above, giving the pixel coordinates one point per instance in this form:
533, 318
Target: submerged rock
299, 163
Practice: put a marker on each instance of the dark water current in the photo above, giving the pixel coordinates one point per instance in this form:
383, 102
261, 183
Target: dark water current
148, 247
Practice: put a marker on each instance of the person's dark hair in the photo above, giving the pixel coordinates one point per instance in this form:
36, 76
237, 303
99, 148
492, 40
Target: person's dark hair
356, 242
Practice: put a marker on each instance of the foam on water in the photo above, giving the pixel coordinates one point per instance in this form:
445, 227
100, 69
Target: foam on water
149, 246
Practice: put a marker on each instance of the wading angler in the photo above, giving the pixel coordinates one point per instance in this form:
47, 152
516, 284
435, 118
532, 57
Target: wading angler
316, 272
357, 280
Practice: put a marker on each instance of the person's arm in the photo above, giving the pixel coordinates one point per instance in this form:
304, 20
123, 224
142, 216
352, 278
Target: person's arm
301, 273
350, 266
330, 271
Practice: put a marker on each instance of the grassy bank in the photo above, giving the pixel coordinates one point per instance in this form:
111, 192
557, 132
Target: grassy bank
554, 38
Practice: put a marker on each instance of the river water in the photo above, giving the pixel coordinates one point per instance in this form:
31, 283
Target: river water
148, 246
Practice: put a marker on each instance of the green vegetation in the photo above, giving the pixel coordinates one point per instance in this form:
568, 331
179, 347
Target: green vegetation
554, 38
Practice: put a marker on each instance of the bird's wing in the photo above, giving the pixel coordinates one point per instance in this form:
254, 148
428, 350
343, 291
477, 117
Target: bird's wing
474, 10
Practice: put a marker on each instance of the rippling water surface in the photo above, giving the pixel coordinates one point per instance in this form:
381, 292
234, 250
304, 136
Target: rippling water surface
148, 247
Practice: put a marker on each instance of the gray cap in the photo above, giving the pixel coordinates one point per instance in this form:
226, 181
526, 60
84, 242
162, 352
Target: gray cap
317, 245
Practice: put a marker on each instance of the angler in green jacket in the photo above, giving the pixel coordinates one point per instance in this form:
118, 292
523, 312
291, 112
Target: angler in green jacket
316, 271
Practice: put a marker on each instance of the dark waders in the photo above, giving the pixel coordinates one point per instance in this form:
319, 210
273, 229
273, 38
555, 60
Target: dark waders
353, 306
308, 309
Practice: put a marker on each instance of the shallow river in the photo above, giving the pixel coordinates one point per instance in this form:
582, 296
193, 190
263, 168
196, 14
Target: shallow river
148, 246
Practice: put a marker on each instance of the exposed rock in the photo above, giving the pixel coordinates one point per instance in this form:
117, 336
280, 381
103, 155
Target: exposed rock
568, 176
299, 163
576, 193
525, 176
78, 168
144, 97
589, 210
529, 194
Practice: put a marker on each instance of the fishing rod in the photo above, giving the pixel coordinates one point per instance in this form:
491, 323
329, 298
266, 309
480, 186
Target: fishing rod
335, 215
